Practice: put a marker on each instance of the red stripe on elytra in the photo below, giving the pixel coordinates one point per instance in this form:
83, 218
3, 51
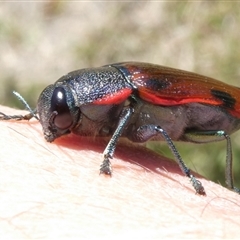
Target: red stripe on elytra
179, 101
114, 98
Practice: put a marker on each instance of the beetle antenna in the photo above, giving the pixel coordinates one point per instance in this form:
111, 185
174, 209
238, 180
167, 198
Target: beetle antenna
32, 113
21, 99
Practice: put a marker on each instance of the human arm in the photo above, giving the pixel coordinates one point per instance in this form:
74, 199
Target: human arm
54, 190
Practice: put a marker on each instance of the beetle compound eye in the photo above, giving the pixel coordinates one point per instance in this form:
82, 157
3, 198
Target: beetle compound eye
60, 109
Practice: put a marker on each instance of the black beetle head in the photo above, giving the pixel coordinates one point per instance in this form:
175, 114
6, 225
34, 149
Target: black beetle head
57, 111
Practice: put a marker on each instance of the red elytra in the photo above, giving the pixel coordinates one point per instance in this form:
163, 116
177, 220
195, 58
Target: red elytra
175, 87
140, 101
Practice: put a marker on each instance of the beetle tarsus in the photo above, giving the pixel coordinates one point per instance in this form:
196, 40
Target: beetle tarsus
16, 117
197, 185
105, 167
237, 190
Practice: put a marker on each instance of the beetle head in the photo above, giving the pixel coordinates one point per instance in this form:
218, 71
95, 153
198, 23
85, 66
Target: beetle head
57, 111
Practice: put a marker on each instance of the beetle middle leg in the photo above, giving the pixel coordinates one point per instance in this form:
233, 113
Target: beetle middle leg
146, 132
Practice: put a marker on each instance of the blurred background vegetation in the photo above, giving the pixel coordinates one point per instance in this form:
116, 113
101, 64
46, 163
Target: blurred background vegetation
41, 41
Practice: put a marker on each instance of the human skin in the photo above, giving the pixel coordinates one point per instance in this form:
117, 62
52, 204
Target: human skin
54, 191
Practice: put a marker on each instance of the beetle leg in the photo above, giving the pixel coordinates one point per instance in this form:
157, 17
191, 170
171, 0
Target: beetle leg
109, 150
148, 131
18, 117
210, 136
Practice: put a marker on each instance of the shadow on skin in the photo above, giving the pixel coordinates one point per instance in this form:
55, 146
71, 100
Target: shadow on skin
127, 151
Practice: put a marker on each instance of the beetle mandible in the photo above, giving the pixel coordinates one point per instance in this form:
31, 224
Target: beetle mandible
140, 101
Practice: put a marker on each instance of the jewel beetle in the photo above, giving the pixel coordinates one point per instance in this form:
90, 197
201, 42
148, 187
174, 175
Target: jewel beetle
142, 102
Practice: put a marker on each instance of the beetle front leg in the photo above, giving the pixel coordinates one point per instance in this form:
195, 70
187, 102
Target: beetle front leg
109, 150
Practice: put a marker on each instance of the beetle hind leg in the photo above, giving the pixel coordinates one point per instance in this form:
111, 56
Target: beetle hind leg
210, 136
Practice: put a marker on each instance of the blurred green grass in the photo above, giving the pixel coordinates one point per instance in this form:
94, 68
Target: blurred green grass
41, 41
